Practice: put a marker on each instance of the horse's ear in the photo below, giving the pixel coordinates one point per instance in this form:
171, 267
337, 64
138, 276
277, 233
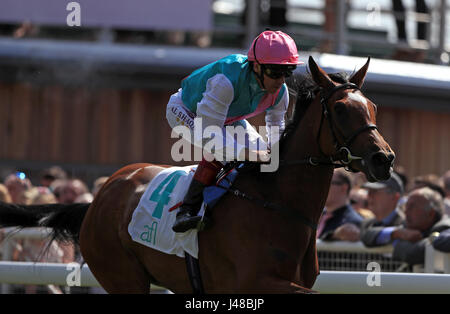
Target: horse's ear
319, 76
358, 77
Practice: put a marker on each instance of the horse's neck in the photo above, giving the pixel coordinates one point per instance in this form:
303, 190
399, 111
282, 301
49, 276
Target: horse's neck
307, 185
304, 143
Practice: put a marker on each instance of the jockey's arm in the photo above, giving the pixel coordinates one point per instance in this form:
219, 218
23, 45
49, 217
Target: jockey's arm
275, 118
213, 109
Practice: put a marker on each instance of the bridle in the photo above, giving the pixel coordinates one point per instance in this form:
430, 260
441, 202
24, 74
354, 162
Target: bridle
343, 156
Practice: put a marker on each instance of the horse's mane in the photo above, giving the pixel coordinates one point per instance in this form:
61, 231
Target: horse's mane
302, 90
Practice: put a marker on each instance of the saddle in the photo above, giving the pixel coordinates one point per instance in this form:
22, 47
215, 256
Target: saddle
151, 221
213, 193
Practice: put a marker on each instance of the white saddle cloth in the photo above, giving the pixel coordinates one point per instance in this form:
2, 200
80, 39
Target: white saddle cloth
151, 224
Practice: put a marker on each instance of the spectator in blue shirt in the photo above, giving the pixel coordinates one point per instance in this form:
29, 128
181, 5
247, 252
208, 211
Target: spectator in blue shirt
339, 220
383, 199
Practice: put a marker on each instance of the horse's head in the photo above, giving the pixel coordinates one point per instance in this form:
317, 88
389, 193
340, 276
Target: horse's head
349, 127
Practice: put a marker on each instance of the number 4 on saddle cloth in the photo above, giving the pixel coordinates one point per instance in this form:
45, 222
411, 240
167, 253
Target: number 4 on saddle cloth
151, 224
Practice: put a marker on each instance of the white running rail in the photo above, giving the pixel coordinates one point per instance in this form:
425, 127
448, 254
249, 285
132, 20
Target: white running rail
327, 281
30, 273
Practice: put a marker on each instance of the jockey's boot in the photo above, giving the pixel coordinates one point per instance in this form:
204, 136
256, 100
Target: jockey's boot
187, 215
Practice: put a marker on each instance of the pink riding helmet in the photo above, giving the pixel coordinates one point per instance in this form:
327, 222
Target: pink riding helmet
274, 47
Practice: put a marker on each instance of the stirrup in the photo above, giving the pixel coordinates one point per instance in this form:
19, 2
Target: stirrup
185, 222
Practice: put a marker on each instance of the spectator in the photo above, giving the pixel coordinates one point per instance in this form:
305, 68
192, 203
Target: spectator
358, 179
98, 183
51, 174
28, 196
400, 20
430, 180
17, 183
56, 187
26, 29
441, 241
339, 220
358, 199
70, 190
383, 201
4, 194
401, 172
202, 39
42, 195
424, 216
84, 198
446, 185
36, 250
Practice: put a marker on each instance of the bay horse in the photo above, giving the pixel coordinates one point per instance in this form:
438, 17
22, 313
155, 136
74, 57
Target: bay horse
250, 248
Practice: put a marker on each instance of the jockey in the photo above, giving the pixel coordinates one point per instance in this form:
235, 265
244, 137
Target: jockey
224, 93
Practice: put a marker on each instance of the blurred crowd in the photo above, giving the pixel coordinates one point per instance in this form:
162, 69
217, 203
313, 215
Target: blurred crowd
406, 213
54, 186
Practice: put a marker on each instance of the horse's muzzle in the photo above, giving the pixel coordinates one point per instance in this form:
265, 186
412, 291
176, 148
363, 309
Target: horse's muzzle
380, 165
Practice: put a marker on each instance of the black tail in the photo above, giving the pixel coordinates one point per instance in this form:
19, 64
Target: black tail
65, 220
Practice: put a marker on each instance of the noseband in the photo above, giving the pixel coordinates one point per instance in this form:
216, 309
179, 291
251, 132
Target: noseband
343, 153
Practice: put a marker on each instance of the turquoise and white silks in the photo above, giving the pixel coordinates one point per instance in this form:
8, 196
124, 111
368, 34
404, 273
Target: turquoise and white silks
223, 93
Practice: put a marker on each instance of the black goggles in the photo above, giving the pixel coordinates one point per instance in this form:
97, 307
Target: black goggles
275, 71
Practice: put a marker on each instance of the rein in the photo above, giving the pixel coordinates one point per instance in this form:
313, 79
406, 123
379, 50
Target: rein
287, 212
343, 156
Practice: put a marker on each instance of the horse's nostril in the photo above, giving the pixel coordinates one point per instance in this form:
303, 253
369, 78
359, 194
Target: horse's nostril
380, 158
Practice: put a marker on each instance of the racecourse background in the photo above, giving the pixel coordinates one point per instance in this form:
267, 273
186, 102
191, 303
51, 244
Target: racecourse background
355, 19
